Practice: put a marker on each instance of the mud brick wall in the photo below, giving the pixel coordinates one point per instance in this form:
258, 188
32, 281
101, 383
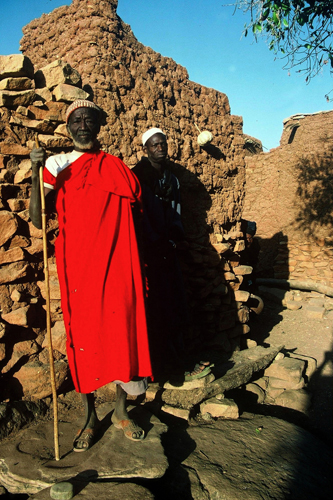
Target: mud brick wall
81, 51
289, 194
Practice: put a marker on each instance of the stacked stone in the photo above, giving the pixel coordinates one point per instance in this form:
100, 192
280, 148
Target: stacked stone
284, 382
231, 326
298, 259
138, 88
288, 195
211, 269
31, 106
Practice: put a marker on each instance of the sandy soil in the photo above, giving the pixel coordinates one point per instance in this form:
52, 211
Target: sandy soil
303, 334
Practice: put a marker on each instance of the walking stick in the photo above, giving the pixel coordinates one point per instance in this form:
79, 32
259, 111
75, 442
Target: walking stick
48, 314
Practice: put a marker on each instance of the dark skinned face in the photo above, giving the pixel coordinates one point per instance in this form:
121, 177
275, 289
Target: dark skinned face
84, 126
156, 148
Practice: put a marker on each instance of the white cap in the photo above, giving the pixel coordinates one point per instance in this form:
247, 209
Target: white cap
149, 133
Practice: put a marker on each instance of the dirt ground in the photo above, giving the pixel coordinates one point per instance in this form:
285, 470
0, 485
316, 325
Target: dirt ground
310, 336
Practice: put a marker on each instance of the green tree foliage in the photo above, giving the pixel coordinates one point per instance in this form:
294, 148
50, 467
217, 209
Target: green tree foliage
298, 30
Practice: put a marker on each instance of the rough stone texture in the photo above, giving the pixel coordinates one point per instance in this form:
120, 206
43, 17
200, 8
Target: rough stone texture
176, 412
275, 460
15, 415
222, 408
288, 194
34, 377
236, 372
27, 466
103, 491
16, 65
289, 369
138, 88
297, 400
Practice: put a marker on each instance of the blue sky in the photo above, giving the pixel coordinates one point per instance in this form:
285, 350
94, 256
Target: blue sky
206, 38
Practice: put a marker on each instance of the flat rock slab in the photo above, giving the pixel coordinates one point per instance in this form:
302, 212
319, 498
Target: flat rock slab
103, 491
234, 373
27, 464
253, 458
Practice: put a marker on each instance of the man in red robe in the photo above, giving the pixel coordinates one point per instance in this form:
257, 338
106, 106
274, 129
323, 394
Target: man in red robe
100, 276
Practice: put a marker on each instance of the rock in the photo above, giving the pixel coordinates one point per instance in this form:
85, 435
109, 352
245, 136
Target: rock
241, 295
34, 378
311, 363
297, 400
52, 141
239, 246
243, 314
233, 459
152, 391
67, 93
62, 491
102, 491
43, 95
222, 247
244, 365
56, 73
61, 130
7, 148
22, 83
176, 412
12, 272
292, 305
224, 408
290, 369
8, 226
277, 383
16, 65
27, 466
314, 312
35, 247
2, 351
42, 126
12, 255
317, 301
15, 415
53, 286
18, 205
58, 333
243, 270
271, 394
21, 317
3, 329
262, 382
249, 343
11, 98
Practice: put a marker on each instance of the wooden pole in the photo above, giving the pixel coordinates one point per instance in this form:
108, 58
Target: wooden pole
48, 315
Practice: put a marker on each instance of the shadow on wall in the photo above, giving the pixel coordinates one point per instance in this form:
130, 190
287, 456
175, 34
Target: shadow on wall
315, 195
273, 257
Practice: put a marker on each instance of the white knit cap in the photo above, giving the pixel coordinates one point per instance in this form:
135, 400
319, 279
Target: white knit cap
149, 133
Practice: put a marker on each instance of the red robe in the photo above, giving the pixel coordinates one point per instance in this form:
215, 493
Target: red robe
100, 273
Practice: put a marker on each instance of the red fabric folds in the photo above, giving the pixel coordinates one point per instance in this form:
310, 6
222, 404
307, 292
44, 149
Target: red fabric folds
99, 272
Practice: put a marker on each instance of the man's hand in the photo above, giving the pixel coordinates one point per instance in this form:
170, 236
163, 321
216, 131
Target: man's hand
37, 157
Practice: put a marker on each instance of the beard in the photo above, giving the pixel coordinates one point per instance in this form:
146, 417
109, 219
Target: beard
84, 143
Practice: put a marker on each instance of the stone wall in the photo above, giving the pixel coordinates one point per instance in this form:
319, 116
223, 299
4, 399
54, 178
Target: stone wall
289, 194
85, 50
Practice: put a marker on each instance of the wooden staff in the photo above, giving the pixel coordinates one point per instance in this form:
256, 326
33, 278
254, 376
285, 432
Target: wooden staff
48, 314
